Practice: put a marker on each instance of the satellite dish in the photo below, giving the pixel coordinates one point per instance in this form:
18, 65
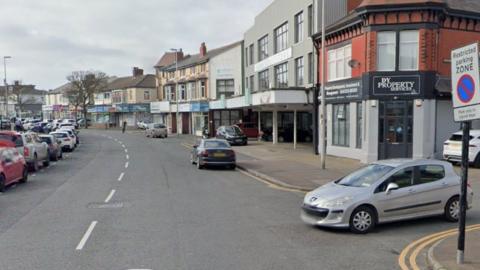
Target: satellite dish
353, 63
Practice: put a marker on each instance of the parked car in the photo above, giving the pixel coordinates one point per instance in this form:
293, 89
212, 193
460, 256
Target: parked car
233, 134
82, 123
54, 147
143, 124
13, 167
452, 148
249, 129
386, 191
213, 152
71, 122
30, 146
66, 141
72, 134
156, 131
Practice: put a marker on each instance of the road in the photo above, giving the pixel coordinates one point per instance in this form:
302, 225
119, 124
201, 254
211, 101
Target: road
166, 214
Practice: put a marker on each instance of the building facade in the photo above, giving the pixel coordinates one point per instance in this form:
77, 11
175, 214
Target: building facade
387, 70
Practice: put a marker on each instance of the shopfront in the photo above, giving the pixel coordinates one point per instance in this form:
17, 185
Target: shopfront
132, 113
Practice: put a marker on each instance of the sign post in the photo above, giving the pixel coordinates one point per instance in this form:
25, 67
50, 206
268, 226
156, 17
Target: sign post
466, 107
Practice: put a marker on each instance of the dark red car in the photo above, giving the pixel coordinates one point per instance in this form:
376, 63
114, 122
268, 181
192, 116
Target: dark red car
13, 167
249, 129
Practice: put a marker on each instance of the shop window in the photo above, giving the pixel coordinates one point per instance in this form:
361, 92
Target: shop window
359, 124
263, 82
281, 75
408, 59
263, 48
299, 71
338, 59
386, 43
281, 37
225, 87
341, 125
299, 27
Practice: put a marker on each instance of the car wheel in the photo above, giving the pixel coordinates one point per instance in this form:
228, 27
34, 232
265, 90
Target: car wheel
452, 209
362, 220
24, 175
232, 167
199, 166
2, 183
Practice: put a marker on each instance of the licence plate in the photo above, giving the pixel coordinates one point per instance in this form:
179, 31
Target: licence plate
238, 140
456, 147
219, 155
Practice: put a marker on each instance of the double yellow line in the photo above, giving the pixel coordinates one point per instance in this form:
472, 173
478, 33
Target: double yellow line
413, 249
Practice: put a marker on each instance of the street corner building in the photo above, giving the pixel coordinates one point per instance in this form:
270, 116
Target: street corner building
387, 76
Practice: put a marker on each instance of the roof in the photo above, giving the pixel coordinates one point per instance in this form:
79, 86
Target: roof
167, 59
23, 89
462, 5
65, 87
195, 59
144, 81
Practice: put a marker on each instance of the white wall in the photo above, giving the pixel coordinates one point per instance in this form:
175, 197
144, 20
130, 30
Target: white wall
423, 128
227, 65
445, 125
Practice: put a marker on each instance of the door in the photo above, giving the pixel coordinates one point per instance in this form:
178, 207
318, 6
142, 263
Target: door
431, 188
8, 166
185, 123
395, 129
174, 123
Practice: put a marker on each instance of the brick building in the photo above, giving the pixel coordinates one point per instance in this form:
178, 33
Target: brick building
388, 76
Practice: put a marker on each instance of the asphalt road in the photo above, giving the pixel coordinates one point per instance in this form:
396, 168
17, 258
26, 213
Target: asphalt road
166, 214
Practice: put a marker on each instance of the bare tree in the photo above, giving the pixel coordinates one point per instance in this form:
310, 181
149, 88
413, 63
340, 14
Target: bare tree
82, 88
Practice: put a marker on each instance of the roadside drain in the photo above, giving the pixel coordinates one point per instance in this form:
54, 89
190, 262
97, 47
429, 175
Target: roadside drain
112, 205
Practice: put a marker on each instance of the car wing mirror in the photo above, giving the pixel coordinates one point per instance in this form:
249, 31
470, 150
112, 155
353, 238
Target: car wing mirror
391, 187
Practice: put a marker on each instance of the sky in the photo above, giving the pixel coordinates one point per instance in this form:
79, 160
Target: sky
48, 39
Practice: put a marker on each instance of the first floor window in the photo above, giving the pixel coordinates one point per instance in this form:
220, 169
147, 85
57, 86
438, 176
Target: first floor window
183, 94
338, 63
299, 70
311, 68
359, 124
225, 87
408, 58
281, 75
252, 83
203, 89
191, 90
146, 94
386, 44
341, 125
263, 80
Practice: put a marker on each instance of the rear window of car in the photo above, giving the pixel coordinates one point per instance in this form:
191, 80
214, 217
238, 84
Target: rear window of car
457, 137
216, 144
46, 139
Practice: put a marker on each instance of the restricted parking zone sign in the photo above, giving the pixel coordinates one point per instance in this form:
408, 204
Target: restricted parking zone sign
465, 83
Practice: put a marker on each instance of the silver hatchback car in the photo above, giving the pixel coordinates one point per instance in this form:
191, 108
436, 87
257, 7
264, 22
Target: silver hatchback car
386, 191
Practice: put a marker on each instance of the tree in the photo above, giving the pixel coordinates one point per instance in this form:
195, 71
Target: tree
82, 87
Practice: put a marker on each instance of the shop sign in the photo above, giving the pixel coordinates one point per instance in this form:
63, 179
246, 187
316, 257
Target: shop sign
160, 107
224, 73
345, 89
98, 109
132, 108
396, 85
199, 107
58, 108
184, 107
47, 108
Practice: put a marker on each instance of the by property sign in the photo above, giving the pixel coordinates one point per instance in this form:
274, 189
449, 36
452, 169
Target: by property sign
396, 85
465, 83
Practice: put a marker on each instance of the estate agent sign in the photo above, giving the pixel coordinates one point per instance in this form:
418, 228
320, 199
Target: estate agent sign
396, 85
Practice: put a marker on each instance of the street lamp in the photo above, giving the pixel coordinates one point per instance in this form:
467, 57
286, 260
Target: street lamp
176, 88
5, 83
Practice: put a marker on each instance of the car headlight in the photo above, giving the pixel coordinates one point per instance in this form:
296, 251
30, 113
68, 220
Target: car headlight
337, 202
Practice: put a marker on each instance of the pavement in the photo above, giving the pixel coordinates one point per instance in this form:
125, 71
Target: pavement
285, 166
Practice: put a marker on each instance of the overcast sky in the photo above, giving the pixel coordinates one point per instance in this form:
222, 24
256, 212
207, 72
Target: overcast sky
48, 39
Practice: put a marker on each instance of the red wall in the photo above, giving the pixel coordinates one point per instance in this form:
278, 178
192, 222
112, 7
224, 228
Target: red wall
452, 39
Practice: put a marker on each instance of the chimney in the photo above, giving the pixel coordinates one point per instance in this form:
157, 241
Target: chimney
203, 49
16, 82
137, 72
180, 55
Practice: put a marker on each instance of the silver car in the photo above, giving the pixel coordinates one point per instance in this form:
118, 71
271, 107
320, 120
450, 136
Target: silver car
386, 191
156, 131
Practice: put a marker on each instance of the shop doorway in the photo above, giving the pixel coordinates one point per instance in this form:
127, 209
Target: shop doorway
395, 129
185, 123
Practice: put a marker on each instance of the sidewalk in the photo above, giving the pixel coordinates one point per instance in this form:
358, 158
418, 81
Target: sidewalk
442, 255
291, 168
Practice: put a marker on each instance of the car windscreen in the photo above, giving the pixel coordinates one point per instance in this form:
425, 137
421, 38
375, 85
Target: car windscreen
12, 138
60, 135
365, 177
216, 144
457, 137
234, 130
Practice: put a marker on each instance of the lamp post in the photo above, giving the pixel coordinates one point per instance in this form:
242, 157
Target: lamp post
323, 119
176, 89
5, 83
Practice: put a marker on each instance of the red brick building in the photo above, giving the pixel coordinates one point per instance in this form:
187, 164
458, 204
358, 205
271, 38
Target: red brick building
388, 76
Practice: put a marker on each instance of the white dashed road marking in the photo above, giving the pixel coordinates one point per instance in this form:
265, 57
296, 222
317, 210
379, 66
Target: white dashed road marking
109, 197
126, 150
126, 164
123, 145
87, 234
128, 157
121, 176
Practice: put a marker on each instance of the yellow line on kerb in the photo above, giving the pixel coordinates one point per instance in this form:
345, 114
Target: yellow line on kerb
421, 243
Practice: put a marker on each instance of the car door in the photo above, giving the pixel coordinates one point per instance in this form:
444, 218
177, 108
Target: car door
8, 166
396, 202
18, 164
42, 147
221, 133
430, 188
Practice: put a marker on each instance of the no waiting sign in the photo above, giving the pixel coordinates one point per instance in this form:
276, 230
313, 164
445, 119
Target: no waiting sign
465, 83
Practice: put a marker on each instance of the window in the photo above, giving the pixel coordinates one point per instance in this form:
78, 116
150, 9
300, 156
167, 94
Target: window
247, 83
408, 59
246, 56
263, 48
341, 125
252, 83
310, 20
182, 72
130, 95
203, 67
251, 54
146, 94
311, 69
168, 92
299, 70
402, 178
263, 82
338, 63
386, 43
106, 95
225, 87
281, 37
192, 70
191, 90
428, 173
281, 75
359, 124
182, 94
299, 27
203, 89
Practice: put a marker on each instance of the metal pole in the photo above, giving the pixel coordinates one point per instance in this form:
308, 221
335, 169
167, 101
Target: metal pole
176, 93
5, 84
463, 193
295, 129
323, 117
